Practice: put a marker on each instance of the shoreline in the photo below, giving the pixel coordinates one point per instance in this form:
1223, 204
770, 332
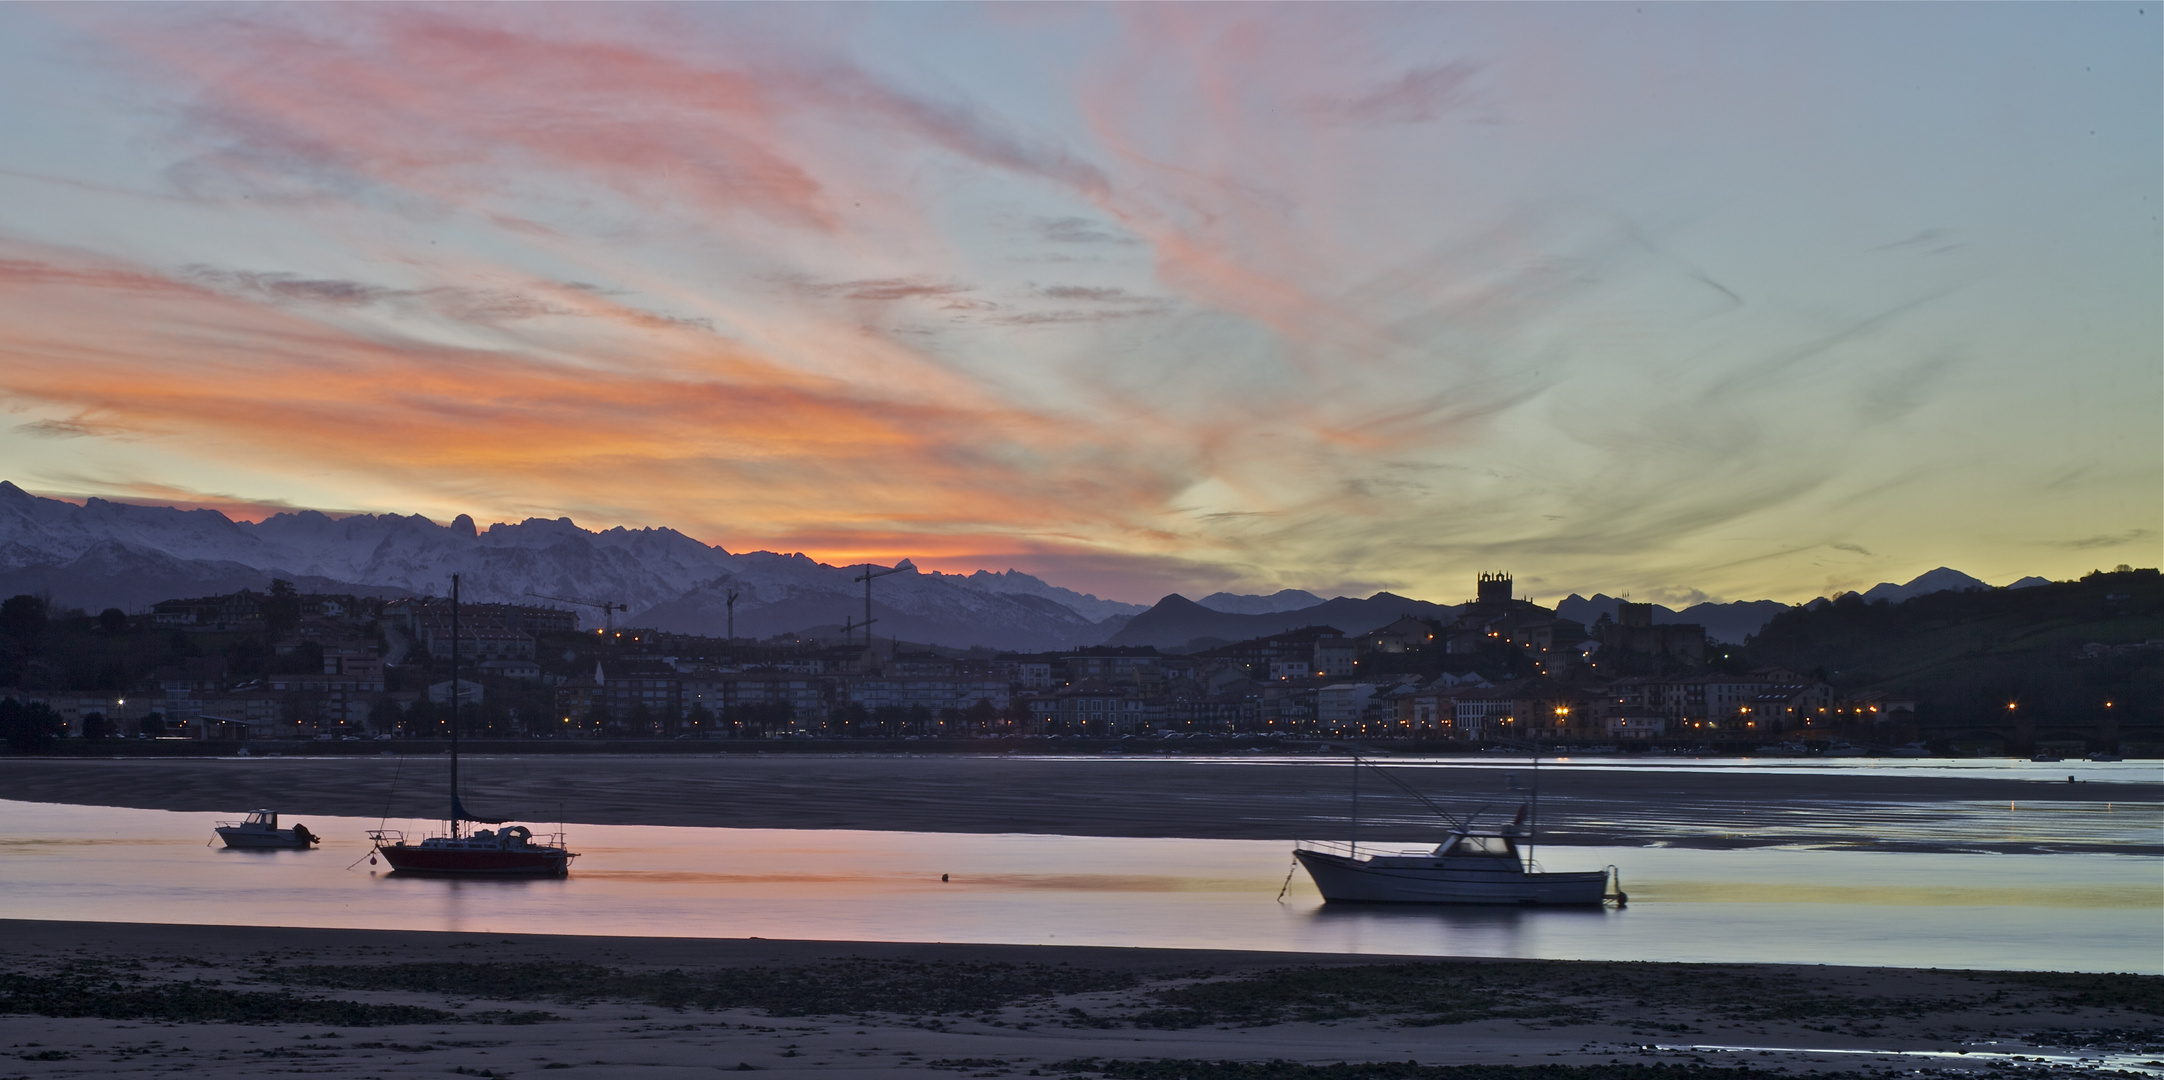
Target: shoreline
1142, 798
594, 1006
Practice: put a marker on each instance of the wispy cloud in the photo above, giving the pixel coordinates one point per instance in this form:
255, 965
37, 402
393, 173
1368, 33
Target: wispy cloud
71, 429
1419, 95
2088, 543
763, 275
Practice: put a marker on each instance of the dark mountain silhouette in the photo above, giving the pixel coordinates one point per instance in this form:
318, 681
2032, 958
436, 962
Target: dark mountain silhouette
113, 574
1943, 579
1281, 600
1177, 621
1731, 622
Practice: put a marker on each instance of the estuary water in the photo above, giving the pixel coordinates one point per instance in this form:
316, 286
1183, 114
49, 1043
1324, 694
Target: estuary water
1785, 904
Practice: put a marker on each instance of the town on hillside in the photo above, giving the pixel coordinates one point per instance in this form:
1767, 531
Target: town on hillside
283, 665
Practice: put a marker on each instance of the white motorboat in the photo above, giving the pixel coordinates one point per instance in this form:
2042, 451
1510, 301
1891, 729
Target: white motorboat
260, 830
1845, 749
1470, 866
1466, 868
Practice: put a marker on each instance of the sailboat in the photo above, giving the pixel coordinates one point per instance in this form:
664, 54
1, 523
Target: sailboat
1470, 866
515, 851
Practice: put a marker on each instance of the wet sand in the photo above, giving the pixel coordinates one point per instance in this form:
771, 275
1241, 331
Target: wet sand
1559, 1013
1632, 806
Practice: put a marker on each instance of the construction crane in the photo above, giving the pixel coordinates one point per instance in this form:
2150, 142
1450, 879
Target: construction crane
866, 577
733, 594
608, 608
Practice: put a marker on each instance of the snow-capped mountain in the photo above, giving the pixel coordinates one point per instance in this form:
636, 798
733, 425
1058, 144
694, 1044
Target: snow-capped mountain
778, 593
103, 554
1017, 583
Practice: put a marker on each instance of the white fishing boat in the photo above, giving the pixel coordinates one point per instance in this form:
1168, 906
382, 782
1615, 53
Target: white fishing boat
1466, 868
260, 830
1470, 866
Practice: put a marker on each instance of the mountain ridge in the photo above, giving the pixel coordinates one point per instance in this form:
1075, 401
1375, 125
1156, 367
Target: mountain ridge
103, 553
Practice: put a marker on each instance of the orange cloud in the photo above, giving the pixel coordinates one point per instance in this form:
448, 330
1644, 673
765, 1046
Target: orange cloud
747, 450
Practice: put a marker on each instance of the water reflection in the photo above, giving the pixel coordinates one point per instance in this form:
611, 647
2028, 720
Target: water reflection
1802, 905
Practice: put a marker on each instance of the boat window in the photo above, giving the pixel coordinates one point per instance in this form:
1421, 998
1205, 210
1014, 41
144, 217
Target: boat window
1480, 845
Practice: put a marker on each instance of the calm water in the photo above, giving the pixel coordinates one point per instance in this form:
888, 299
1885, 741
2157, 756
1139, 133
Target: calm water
2065, 912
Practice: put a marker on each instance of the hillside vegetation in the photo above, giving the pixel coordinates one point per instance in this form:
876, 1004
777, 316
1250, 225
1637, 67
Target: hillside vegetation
1971, 654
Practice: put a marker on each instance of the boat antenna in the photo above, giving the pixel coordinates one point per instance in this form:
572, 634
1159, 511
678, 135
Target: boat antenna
1532, 836
1410, 790
398, 764
455, 824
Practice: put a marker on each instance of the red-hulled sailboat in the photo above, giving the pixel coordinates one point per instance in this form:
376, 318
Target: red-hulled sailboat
515, 851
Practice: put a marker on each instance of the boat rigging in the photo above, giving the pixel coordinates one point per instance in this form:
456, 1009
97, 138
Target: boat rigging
516, 851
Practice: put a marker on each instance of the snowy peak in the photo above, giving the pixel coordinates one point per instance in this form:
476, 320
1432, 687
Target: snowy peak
1016, 583
105, 553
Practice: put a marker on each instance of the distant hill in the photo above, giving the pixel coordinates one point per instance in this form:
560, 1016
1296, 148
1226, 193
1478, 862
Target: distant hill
116, 575
1177, 621
1282, 600
1737, 620
1730, 622
1943, 579
1973, 652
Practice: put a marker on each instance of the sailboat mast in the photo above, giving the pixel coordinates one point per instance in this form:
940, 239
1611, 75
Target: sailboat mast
1356, 807
455, 823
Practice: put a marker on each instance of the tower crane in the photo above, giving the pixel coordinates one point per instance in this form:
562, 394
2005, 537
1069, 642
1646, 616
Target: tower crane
608, 608
866, 577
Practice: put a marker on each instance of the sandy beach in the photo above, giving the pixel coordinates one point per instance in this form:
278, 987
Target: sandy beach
110, 1000
1164, 797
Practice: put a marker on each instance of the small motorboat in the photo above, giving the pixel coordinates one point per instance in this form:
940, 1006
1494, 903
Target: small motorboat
1914, 749
2045, 755
1470, 866
1466, 868
260, 830
2105, 755
1844, 749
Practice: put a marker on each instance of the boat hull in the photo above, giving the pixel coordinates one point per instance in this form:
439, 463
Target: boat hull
261, 840
1349, 880
469, 863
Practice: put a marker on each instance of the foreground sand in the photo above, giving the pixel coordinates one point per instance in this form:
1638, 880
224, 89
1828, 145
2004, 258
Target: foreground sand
1514, 1013
1115, 797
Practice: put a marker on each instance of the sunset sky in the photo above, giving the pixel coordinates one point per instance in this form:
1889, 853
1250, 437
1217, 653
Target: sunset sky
1724, 300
